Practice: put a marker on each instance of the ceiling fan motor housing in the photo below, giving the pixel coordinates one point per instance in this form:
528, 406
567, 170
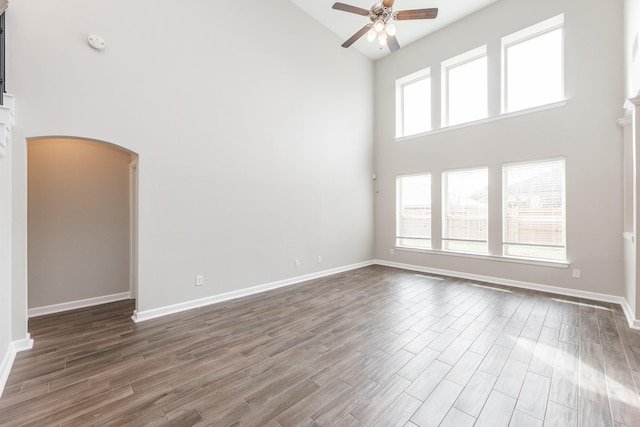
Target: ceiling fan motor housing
378, 11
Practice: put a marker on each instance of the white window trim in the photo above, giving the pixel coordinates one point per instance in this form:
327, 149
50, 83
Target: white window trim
509, 40
504, 116
533, 31
425, 73
449, 64
514, 260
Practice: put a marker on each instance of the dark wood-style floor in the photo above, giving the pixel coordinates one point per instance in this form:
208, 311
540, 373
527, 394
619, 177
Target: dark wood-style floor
375, 346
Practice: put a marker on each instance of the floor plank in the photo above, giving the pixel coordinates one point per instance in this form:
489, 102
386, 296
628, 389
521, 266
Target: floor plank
376, 346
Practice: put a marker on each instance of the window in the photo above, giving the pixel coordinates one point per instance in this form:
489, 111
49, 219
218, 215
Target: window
534, 210
413, 104
413, 222
464, 87
465, 210
533, 66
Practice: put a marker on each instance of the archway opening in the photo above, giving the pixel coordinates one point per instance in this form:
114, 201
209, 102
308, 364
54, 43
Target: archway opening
82, 223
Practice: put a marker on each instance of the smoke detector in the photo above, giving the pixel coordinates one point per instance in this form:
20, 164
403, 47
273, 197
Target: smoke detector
96, 42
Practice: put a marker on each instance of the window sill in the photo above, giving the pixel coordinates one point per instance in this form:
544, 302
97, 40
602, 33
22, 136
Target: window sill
554, 264
537, 109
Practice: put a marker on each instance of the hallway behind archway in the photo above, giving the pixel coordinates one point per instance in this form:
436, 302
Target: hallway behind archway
78, 224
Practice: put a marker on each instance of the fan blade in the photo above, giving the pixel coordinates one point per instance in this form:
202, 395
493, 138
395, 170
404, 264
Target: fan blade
405, 15
357, 35
393, 44
351, 9
387, 3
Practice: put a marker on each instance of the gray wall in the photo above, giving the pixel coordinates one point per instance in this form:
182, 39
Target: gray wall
78, 220
584, 131
254, 131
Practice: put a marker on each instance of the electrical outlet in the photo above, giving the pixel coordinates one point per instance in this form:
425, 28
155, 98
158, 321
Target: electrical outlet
575, 274
391, 251
199, 280
319, 259
297, 263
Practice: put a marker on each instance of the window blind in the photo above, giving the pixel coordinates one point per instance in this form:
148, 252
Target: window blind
413, 224
465, 210
534, 209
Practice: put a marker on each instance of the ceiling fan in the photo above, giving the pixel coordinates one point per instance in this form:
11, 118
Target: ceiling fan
380, 27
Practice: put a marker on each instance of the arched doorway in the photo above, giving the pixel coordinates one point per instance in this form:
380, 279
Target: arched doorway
81, 222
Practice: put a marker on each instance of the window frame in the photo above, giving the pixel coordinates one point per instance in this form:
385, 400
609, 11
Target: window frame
444, 200
399, 238
457, 61
401, 83
524, 35
505, 222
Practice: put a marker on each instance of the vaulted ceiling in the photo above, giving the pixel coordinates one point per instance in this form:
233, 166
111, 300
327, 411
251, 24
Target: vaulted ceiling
346, 24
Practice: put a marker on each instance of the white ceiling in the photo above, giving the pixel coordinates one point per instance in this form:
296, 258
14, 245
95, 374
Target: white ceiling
346, 24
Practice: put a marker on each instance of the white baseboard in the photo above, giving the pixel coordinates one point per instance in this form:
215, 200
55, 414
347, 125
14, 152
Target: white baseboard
628, 312
141, 316
635, 324
58, 308
10, 356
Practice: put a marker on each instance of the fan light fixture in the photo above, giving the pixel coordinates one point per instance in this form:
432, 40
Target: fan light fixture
390, 29
381, 30
379, 27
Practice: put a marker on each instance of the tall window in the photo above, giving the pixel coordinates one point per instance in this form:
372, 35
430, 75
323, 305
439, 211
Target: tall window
413, 104
465, 207
413, 221
464, 87
533, 65
534, 209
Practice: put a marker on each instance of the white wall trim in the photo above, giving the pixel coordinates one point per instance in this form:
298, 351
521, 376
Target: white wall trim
7, 120
10, 356
72, 305
501, 116
625, 121
635, 324
141, 316
499, 258
628, 312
